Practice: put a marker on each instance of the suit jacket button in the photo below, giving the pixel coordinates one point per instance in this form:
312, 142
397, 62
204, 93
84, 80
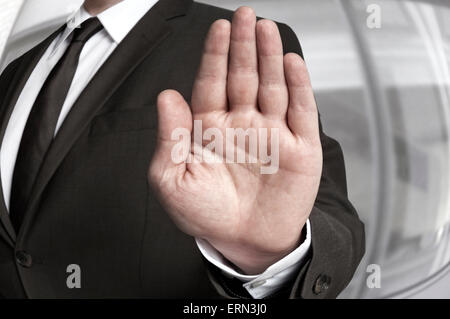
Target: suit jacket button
322, 284
24, 259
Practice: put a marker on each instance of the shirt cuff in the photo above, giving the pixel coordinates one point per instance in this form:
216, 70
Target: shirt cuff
272, 279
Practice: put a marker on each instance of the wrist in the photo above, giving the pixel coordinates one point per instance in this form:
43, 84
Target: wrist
251, 260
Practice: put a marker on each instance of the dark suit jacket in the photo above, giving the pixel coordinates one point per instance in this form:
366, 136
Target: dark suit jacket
92, 206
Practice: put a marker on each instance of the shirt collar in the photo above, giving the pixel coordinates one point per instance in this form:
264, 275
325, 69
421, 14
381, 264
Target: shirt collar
118, 20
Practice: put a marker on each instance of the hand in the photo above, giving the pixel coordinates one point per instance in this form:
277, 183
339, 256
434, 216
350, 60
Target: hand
244, 81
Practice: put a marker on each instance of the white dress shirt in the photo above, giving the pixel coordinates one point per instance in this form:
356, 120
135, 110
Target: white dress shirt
118, 21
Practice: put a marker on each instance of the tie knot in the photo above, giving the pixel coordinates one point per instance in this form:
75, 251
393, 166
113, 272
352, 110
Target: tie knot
87, 29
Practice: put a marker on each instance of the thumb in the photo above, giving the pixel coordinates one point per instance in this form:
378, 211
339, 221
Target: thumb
174, 137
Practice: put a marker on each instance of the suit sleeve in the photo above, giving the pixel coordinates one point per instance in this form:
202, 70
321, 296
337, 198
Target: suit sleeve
338, 241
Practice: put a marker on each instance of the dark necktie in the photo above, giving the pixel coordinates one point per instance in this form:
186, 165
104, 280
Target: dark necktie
41, 124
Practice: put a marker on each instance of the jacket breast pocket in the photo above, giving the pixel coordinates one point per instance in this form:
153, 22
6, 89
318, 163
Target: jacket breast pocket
143, 118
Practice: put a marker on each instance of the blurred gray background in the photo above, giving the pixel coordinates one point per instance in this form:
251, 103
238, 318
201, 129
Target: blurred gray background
383, 93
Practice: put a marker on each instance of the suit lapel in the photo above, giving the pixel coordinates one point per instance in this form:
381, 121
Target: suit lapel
151, 30
19, 79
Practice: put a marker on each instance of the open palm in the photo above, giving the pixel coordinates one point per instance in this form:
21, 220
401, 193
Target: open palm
252, 211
